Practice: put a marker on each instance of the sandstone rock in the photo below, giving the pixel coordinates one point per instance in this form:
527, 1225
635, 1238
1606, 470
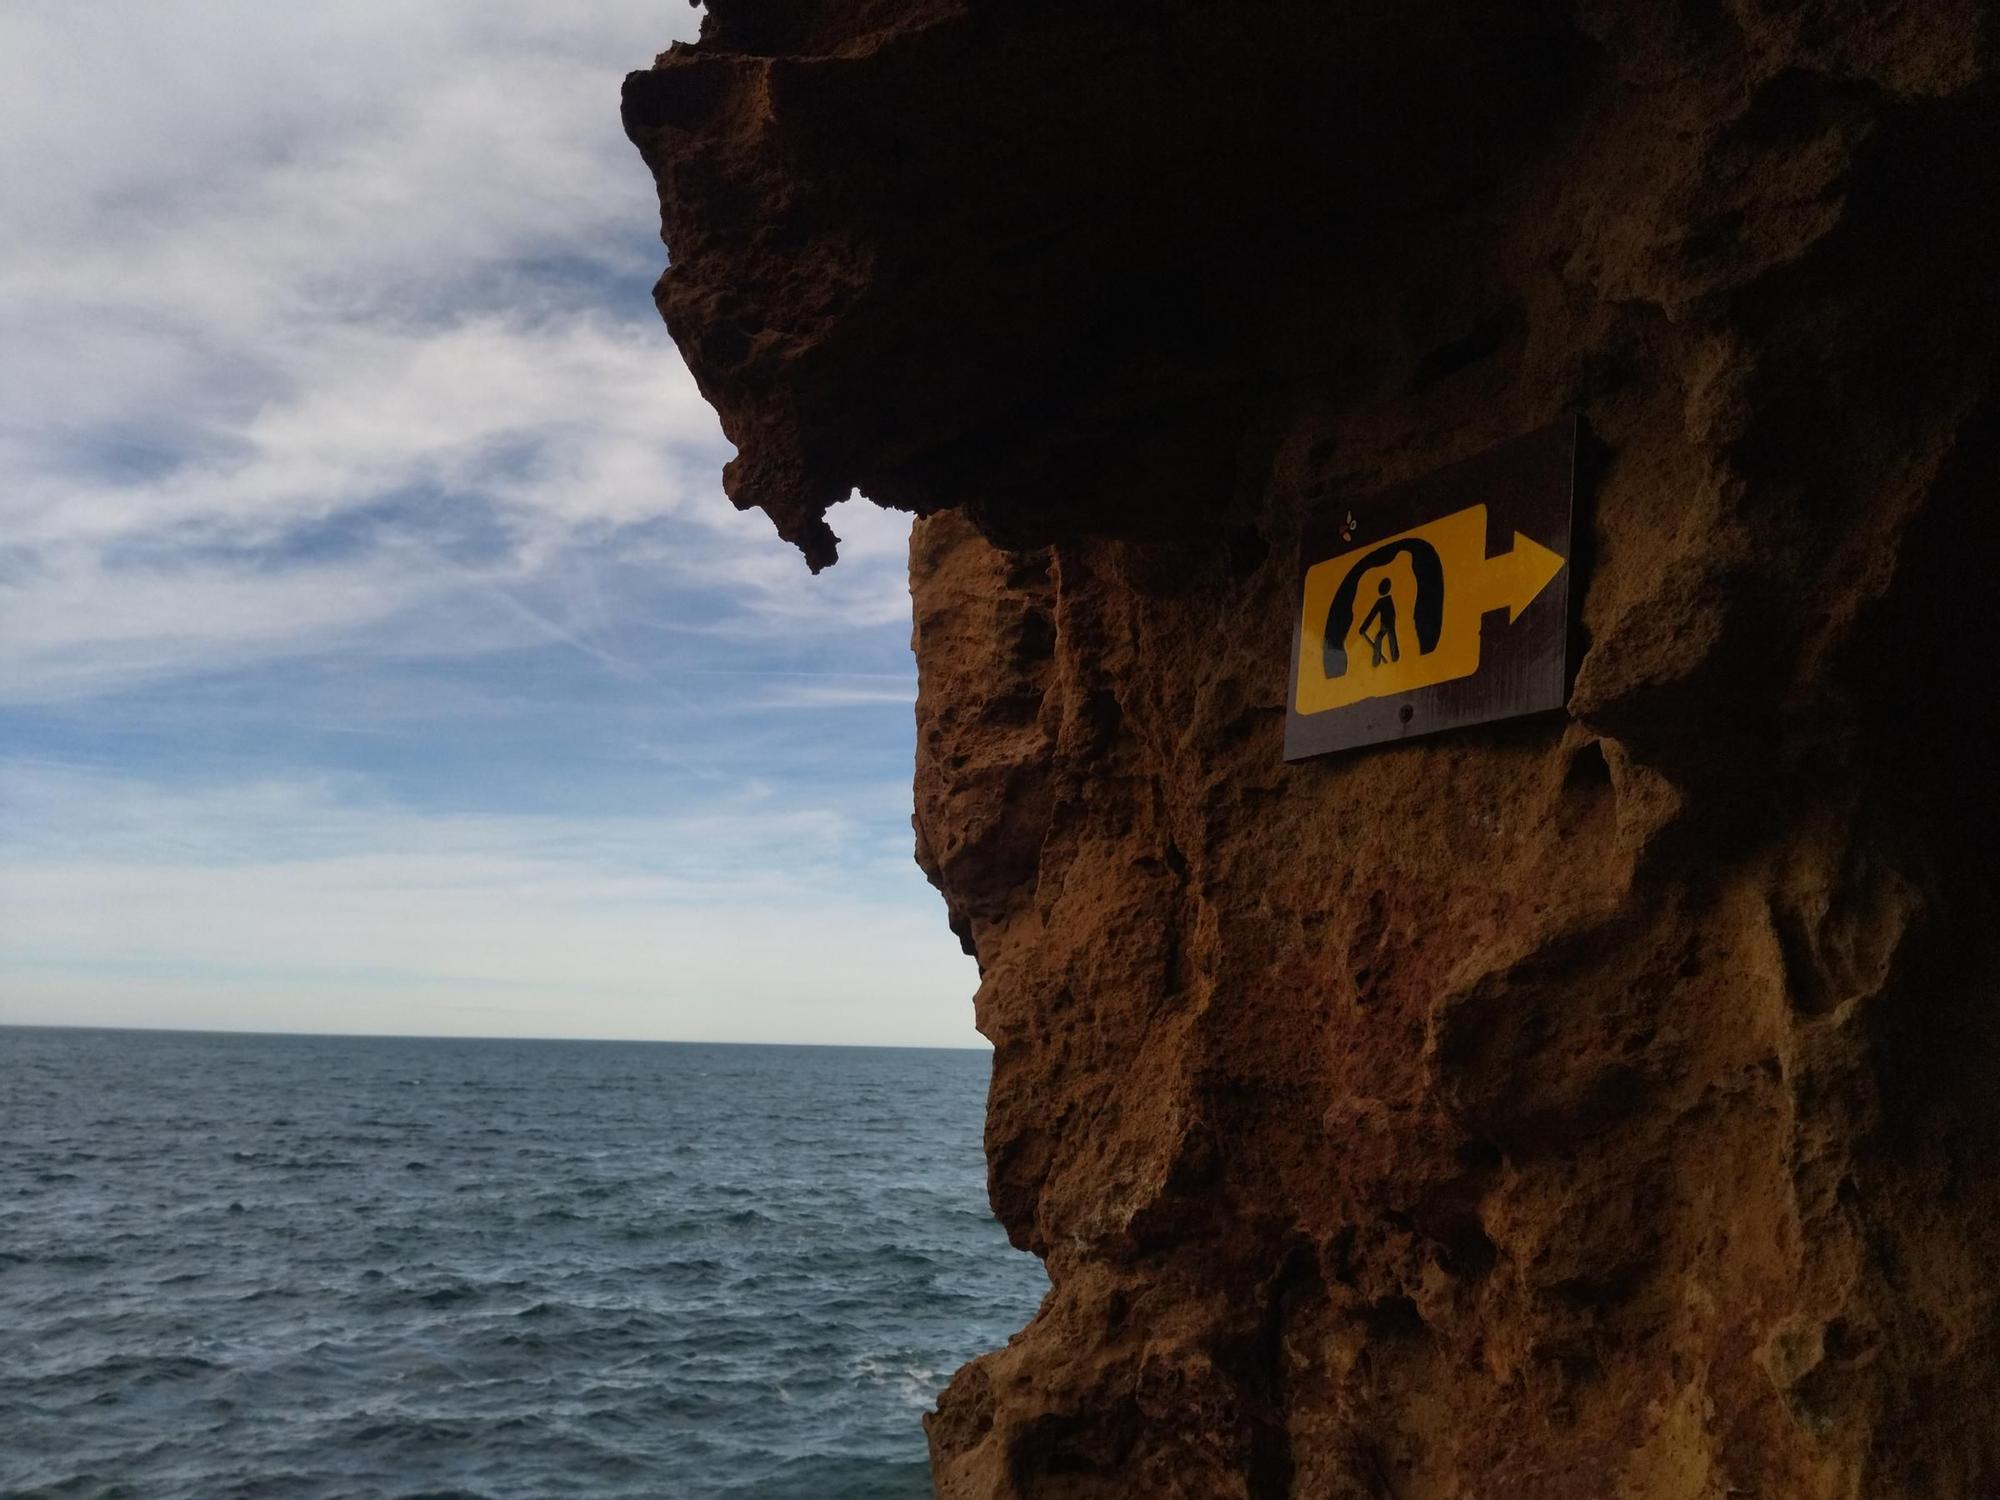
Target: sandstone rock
1597, 1105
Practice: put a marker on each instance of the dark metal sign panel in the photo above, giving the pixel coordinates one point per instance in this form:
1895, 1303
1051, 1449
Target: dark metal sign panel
1441, 603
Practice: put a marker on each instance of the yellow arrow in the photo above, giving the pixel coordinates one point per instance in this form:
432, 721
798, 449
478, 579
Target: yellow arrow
1515, 578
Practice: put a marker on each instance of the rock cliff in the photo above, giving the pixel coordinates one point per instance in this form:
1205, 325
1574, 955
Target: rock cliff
1603, 1104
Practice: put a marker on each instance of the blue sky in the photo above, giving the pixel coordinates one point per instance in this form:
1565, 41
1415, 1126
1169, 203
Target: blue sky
377, 649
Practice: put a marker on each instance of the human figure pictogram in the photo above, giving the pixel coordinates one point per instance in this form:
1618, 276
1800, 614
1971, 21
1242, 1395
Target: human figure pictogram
1384, 638
1426, 613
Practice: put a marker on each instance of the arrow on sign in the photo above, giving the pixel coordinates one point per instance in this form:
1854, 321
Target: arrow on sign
1513, 579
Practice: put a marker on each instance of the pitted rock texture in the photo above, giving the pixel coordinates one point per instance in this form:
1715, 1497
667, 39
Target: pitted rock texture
1600, 1105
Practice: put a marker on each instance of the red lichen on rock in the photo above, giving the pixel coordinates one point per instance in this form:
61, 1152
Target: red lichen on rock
1597, 1106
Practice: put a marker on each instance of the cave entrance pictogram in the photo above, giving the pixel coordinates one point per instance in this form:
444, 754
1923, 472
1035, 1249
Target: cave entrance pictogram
1386, 565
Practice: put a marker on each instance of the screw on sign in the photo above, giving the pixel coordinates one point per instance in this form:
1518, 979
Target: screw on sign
1446, 603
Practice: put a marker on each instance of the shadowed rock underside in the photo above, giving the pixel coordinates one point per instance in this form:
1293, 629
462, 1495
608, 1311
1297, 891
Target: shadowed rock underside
1596, 1105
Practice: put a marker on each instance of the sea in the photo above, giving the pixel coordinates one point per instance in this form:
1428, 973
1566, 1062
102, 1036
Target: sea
287, 1266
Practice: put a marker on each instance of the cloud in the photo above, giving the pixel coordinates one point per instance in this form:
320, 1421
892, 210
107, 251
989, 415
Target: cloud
296, 896
839, 694
293, 277
370, 614
408, 471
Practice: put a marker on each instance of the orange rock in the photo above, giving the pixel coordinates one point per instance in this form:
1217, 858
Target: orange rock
1599, 1105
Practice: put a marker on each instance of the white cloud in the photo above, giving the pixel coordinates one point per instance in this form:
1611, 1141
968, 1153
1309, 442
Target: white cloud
291, 259
330, 352
293, 905
838, 694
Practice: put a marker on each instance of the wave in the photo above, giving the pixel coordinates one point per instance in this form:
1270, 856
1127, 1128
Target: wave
611, 1279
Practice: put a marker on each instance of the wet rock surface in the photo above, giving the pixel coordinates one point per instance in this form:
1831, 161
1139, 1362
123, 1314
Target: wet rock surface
1595, 1105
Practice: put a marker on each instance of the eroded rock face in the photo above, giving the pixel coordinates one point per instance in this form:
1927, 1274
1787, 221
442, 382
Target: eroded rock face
1603, 1105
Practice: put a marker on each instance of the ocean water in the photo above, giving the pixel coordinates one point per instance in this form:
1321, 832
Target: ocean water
314, 1266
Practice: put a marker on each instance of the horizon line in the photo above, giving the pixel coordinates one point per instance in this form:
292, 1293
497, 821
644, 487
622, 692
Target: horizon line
412, 1036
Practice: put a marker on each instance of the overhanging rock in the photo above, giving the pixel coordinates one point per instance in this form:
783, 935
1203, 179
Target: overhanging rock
1594, 1105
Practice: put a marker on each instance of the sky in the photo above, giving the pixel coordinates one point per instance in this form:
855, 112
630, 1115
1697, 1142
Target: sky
378, 652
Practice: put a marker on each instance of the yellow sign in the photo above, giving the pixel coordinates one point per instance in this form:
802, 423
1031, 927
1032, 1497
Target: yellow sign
1404, 612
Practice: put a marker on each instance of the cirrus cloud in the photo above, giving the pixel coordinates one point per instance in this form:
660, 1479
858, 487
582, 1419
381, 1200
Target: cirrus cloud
340, 447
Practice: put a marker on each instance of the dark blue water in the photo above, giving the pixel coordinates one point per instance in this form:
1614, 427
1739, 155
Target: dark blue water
316, 1266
